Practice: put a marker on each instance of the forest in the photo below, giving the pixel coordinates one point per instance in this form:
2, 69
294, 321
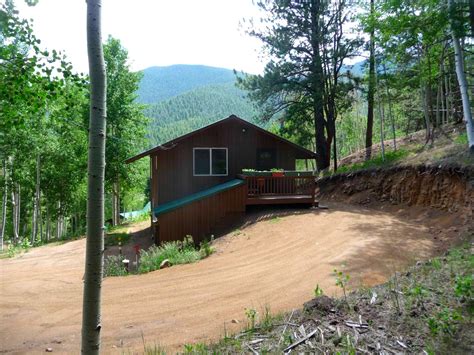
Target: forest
416, 73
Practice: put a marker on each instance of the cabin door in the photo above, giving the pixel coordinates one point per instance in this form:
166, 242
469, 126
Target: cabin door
266, 158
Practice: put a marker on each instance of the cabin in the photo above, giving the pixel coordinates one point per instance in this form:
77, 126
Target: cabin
216, 171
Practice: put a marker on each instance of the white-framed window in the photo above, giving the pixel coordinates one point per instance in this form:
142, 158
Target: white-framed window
210, 162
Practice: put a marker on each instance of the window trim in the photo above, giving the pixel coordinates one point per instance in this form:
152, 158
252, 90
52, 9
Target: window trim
210, 161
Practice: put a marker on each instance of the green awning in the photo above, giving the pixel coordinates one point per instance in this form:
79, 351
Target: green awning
172, 205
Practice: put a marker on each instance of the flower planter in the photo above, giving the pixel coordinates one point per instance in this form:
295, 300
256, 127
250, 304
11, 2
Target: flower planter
278, 174
256, 173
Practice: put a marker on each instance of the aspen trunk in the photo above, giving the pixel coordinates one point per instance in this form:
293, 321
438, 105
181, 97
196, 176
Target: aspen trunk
15, 216
382, 133
3, 220
36, 202
48, 224
461, 75
91, 319
117, 201
18, 208
33, 222
114, 223
392, 119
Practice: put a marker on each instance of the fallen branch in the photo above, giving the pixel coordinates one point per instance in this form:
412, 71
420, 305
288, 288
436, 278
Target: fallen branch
356, 325
252, 349
301, 341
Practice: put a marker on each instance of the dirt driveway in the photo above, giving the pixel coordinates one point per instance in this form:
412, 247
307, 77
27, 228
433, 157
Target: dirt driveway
276, 262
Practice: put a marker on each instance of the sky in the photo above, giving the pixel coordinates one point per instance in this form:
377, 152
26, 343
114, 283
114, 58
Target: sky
155, 32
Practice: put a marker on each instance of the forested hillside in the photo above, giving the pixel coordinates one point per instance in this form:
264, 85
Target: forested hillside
161, 83
194, 109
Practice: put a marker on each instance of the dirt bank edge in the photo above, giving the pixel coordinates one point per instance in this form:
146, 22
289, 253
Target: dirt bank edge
449, 188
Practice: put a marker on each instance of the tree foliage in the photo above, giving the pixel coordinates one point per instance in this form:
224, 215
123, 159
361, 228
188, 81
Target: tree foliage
307, 43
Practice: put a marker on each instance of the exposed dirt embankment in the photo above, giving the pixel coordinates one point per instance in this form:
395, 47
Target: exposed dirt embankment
446, 188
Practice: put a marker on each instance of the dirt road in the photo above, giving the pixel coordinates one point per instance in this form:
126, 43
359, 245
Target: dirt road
276, 262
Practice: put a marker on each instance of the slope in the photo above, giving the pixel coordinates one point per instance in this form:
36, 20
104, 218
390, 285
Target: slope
194, 109
161, 83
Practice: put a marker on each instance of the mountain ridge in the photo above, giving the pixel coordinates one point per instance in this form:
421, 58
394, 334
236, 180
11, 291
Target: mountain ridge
164, 82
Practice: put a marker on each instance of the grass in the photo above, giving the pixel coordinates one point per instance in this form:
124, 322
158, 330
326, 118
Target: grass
377, 161
461, 139
177, 252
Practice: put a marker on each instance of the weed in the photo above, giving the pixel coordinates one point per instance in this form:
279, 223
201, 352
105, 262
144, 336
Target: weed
113, 266
266, 322
156, 349
461, 139
287, 339
13, 250
348, 344
418, 291
444, 322
395, 292
198, 348
463, 286
463, 289
206, 248
318, 291
435, 263
275, 220
251, 315
342, 279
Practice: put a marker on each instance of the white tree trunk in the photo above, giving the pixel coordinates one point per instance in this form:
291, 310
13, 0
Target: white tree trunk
58, 221
91, 319
15, 216
3, 220
18, 208
461, 75
36, 202
48, 224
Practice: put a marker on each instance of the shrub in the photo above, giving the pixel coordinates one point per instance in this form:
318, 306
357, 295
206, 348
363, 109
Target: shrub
206, 249
176, 253
113, 266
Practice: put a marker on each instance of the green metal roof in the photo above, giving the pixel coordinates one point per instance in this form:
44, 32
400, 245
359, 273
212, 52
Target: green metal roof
172, 205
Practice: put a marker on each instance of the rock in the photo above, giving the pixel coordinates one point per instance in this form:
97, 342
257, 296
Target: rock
235, 321
57, 341
322, 304
49, 350
164, 264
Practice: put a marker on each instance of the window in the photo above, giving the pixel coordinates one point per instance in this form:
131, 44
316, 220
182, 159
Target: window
210, 161
266, 159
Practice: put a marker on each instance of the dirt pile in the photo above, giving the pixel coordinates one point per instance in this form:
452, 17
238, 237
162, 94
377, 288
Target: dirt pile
449, 188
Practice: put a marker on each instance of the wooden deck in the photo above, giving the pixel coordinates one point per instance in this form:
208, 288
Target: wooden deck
273, 190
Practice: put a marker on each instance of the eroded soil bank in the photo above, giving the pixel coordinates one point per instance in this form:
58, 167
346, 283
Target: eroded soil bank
446, 188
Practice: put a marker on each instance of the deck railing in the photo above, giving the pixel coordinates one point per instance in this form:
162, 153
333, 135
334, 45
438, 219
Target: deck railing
284, 186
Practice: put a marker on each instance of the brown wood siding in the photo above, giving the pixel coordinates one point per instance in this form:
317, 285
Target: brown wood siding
200, 217
174, 178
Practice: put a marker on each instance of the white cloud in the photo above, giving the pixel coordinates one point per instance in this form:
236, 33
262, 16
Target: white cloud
155, 32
